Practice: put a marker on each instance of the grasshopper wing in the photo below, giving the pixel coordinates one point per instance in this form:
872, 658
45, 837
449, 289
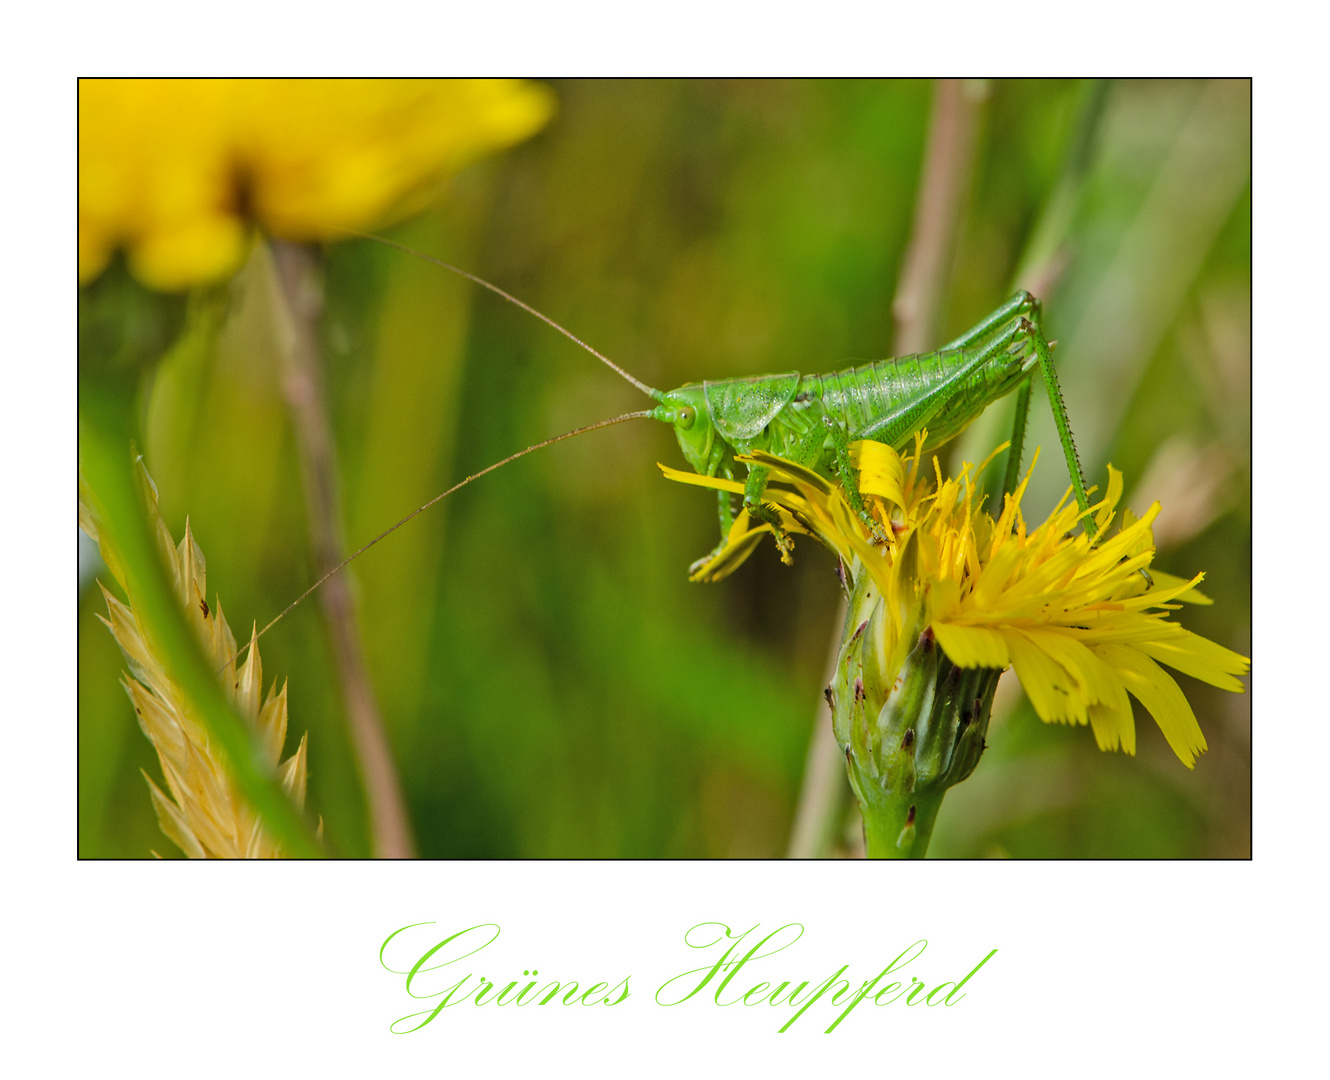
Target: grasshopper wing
741, 408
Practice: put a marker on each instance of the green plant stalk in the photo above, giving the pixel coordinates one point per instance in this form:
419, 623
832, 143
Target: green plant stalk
901, 827
106, 467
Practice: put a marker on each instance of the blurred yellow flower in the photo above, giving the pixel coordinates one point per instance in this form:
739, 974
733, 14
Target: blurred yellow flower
176, 171
1079, 623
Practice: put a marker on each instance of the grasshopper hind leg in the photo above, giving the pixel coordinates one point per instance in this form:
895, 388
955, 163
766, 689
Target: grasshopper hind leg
1044, 351
1055, 402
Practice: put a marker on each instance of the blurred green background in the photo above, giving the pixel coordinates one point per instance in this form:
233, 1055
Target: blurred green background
551, 682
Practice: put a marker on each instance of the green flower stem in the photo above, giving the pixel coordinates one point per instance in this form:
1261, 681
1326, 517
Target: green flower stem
105, 464
900, 827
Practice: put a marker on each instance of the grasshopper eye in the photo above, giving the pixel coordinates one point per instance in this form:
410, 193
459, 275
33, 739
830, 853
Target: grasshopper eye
686, 417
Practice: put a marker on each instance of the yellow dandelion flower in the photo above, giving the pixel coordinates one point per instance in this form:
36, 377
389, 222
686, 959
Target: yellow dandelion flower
1078, 622
177, 171
204, 814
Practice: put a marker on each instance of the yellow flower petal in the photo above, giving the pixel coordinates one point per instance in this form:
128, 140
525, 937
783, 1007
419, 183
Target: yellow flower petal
1051, 689
1113, 726
206, 248
1170, 581
698, 480
1200, 658
1104, 515
880, 470
973, 646
742, 542
788, 471
1157, 691
1094, 681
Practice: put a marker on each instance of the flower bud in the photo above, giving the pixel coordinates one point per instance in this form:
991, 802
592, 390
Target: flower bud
910, 728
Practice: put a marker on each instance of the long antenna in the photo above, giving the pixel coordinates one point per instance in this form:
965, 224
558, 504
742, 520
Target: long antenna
650, 391
420, 509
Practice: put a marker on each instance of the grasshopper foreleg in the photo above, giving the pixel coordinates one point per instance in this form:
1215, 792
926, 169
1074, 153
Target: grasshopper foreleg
809, 449
726, 507
806, 452
753, 488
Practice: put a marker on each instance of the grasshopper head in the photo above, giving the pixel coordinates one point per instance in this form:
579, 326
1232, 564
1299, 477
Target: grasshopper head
686, 410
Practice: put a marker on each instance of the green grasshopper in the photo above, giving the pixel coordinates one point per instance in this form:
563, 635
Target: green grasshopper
812, 419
